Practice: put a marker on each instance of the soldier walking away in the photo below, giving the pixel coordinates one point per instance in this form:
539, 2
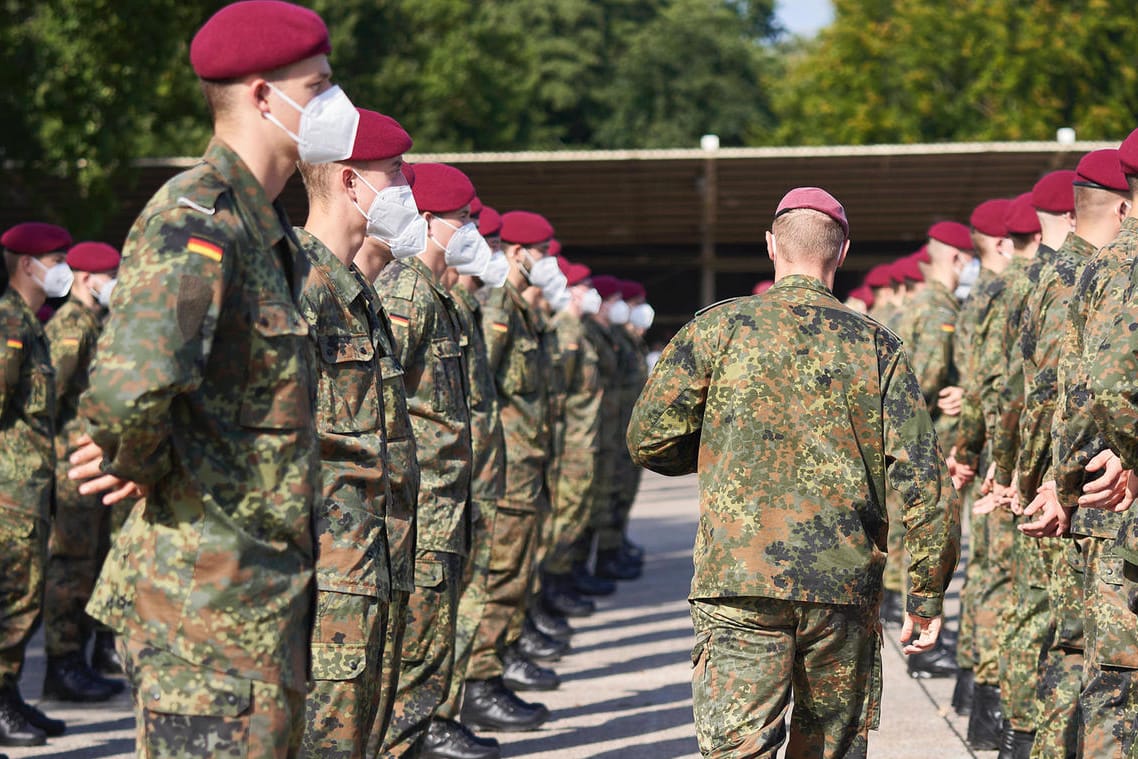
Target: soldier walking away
791, 566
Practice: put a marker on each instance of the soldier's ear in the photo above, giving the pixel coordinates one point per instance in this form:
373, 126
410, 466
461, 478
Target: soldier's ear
842, 256
770, 245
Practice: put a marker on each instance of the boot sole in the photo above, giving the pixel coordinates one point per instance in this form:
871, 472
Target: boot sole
516, 686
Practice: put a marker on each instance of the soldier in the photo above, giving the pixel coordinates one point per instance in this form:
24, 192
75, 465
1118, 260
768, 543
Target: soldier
795, 382
428, 336
202, 400
35, 259
346, 200
516, 359
81, 526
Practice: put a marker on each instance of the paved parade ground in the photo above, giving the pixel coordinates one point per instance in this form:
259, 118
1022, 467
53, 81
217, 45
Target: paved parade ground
625, 690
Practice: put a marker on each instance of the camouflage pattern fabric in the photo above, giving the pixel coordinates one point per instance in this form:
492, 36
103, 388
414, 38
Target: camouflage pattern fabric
634, 372
971, 428
23, 540
752, 655
390, 665
928, 331
553, 377
794, 382
204, 390
186, 711
611, 435
1061, 666
353, 574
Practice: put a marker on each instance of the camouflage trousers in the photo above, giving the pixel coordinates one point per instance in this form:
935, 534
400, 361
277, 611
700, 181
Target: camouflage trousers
428, 650
1109, 699
893, 579
1061, 664
570, 512
80, 537
1023, 632
992, 590
389, 669
471, 604
753, 655
347, 653
508, 582
184, 711
23, 546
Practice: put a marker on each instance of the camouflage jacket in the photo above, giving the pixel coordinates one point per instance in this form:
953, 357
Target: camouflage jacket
972, 427
520, 366
204, 389
488, 473
1041, 339
927, 330
1076, 436
1022, 276
27, 411
351, 547
580, 429
72, 333
795, 411
427, 340
610, 437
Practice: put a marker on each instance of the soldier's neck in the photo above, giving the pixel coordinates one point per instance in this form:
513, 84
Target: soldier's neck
336, 231
31, 293
270, 168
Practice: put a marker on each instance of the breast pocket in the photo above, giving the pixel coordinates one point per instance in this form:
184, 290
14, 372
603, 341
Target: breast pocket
446, 375
523, 370
394, 400
278, 386
349, 397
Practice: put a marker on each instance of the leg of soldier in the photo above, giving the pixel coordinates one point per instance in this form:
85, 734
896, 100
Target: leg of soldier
186, 711
389, 670
984, 617
471, 604
966, 641
23, 545
1108, 702
1025, 625
572, 516
1061, 665
428, 650
72, 568
347, 655
507, 582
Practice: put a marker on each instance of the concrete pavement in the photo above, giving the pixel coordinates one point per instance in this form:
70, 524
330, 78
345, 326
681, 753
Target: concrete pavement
625, 691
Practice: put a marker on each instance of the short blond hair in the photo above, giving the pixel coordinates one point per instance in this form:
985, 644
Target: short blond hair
805, 234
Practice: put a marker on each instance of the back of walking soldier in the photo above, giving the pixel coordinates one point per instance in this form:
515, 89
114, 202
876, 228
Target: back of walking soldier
35, 259
81, 526
793, 381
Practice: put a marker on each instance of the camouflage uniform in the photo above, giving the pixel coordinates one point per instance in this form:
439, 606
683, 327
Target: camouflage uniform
793, 382
610, 444
353, 574
634, 372
517, 360
81, 525
1108, 710
554, 381
427, 333
203, 391
488, 482
27, 474
578, 440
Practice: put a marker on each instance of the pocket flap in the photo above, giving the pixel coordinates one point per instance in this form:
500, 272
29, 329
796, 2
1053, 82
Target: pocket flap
428, 574
272, 318
389, 368
344, 661
444, 347
338, 349
205, 694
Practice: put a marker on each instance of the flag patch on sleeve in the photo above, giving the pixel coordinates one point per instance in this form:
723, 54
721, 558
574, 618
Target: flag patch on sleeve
948, 328
16, 344
500, 327
204, 248
396, 319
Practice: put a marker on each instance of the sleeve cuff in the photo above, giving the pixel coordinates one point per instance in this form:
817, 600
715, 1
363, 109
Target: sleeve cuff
924, 607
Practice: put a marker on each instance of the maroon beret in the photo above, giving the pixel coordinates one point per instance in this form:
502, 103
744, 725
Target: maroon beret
630, 290
951, 233
525, 228
878, 276
607, 286
1055, 192
864, 294
575, 274
921, 255
1128, 154
440, 188
255, 36
762, 286
489, 222
1101, 169
378, 137
1021, 218
34, 238
988, 217
908, 269
554, 247
814, 199
93, 257
476, 207
409, 173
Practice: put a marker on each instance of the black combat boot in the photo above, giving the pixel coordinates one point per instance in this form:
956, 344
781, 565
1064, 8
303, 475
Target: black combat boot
631, 550
70, 678
938, 662
962, 693
537, 646
490, 705
447, 739
559, 598
986, 722
588, 584
105, 657
519, 673
52, 728
1015, 744
553, 625
611, 566
891, 611
15, 730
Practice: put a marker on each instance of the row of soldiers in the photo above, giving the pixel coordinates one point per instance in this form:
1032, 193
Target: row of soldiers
1021, 328
372, 464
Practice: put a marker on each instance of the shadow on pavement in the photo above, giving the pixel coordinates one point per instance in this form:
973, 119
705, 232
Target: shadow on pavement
629, 727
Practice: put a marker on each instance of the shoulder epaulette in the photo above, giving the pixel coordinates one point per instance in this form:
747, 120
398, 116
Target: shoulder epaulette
723, 302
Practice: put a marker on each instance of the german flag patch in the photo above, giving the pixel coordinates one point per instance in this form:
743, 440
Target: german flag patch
500, 326
950, 328
15, 344
204, 248
400, 321
71, 341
